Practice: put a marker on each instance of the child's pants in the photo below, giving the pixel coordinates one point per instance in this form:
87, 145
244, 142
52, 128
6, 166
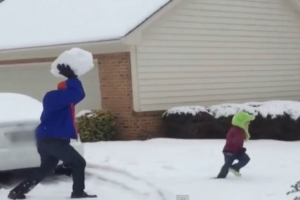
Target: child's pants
229, 158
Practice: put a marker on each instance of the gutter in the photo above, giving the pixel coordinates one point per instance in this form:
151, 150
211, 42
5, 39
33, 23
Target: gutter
97, 47
61, 46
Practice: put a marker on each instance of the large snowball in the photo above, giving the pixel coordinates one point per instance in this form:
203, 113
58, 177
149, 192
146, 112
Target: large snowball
79, 60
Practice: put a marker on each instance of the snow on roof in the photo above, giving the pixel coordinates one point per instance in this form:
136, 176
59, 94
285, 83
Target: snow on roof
33, 23
18, 107
271, 108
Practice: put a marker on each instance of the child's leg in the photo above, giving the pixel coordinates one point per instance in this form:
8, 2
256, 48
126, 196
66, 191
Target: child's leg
243, 161
229, 158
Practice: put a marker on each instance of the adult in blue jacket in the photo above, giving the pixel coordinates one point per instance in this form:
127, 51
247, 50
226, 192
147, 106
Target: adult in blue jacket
53, 136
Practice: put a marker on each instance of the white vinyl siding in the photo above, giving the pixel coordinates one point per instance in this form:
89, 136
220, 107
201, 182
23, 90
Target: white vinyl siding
208, 52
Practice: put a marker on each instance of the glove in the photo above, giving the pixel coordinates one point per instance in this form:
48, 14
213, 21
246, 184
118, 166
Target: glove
242, 151
66, 71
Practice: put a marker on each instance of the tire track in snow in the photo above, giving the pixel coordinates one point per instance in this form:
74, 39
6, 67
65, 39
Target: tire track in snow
92, 175
91, 167
122, 179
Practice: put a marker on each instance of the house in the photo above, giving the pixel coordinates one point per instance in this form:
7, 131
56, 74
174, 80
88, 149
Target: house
154, 55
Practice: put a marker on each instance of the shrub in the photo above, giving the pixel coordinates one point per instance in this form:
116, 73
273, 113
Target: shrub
96, 125
202, 123
205, 126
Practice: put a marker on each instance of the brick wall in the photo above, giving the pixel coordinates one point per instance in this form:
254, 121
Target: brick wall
116, 91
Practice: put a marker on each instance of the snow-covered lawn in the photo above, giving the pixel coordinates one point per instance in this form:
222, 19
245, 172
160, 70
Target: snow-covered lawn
160, 169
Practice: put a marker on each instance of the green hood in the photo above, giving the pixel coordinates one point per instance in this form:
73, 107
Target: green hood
240, 119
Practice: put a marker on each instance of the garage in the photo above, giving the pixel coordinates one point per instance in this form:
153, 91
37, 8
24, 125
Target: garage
35, 79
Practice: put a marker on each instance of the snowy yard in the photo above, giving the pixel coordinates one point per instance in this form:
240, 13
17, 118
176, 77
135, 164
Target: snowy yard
160, 169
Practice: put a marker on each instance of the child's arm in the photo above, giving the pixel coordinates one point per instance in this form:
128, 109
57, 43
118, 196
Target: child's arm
247, 135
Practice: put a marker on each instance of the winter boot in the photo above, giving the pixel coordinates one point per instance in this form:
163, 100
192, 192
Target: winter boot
82, 195
235, 172
14, 195
63, 170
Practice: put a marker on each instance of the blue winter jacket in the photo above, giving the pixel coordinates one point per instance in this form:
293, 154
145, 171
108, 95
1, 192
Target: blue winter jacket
58, 116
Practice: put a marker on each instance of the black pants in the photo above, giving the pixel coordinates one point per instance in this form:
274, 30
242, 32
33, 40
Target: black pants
52, 150
229, 158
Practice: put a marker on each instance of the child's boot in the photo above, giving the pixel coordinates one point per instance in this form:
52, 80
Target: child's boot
235, 172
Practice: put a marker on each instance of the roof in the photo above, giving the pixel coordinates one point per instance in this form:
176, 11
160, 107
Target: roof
38, 23
18, 107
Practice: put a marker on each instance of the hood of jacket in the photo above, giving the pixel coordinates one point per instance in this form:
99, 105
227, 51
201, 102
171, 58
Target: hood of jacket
242, 120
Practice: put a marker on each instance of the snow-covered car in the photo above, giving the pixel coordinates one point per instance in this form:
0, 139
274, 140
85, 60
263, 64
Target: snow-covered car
19, 116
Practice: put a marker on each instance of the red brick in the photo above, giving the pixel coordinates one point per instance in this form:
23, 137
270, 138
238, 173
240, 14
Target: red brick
115, 78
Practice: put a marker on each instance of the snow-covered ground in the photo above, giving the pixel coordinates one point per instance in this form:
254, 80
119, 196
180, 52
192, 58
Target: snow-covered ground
160, 169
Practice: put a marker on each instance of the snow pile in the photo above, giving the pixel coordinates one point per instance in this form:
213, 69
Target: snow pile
36, 23
19, 107
79, 60
186, 110
271, 108
83, 112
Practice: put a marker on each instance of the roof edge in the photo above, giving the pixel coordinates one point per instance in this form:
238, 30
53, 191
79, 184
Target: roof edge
97, 47
295, 5
127, 39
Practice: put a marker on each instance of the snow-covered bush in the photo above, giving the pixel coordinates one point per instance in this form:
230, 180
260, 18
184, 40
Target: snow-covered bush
96, 125
278, 120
